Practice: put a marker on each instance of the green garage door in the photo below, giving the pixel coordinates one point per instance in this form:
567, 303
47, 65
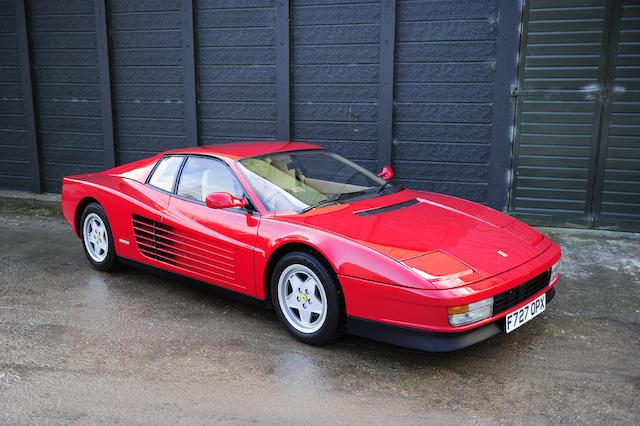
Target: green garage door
577, 139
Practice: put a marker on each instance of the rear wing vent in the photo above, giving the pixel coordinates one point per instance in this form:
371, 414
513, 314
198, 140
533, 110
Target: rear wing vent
387, 208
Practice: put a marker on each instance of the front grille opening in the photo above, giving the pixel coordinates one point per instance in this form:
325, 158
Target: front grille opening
511, 298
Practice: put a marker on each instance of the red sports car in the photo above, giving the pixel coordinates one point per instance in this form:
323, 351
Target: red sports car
330, 246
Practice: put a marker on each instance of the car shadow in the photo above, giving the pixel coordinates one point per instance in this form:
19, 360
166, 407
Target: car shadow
198, 300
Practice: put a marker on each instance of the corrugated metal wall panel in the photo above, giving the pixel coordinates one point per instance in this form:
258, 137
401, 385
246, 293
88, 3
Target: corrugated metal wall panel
235, 62
14, 158
146, 73
445, 59
334, 76
619, 197
577, 145
65, 75
558, 109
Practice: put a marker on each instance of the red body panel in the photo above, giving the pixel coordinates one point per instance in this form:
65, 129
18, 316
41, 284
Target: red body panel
231, 238
469, 232
388, 263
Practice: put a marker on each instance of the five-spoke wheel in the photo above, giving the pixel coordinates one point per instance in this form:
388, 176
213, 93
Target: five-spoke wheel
97, 238
302, 298
306, 298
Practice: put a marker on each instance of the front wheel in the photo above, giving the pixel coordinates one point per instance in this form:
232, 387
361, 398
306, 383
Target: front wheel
306, 298
97, 238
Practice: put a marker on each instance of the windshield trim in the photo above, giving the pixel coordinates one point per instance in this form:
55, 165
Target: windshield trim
369, 193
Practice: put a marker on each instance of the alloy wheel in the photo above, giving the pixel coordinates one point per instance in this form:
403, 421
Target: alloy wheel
96, 239
302, 298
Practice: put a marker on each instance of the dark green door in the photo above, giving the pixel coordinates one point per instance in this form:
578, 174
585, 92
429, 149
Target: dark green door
576, 155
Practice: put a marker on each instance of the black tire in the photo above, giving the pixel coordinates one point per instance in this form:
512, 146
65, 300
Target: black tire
110, 262
333, 326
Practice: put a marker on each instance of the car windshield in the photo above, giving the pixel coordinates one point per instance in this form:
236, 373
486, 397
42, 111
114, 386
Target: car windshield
301, 180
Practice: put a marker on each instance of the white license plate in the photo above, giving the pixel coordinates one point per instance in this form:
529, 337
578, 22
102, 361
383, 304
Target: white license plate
529, 311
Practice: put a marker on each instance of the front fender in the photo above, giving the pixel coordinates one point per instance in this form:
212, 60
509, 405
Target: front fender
346, 257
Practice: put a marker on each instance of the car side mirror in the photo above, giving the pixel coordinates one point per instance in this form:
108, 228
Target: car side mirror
386, 173
224, 200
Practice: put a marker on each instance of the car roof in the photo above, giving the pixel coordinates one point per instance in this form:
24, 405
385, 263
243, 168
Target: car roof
235, 151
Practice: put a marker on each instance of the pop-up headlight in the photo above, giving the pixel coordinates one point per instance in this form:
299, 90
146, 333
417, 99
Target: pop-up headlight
442, 270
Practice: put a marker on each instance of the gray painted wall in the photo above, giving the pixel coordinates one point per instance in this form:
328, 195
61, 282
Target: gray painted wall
146, 76
445, 76
14, 159
453, 62
66, 90
235, 63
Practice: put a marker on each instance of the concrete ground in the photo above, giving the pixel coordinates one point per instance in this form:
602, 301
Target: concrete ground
80, 346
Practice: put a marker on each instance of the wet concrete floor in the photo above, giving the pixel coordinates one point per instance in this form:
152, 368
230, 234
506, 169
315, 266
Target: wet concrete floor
81, 346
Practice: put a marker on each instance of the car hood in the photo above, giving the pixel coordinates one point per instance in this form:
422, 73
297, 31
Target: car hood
434, 234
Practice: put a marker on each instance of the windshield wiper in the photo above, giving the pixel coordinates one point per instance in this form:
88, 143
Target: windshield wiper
383, 186
333, 199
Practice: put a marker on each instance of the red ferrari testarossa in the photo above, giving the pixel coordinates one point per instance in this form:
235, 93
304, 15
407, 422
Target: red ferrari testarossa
330, 246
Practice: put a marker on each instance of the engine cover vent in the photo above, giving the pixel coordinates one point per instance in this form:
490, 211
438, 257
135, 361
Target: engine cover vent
387, 208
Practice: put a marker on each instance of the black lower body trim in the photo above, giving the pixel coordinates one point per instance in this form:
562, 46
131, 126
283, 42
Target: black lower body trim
550, 295
429, 341
422, 340
197, 283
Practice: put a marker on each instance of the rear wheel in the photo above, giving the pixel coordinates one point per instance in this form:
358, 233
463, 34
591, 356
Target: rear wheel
97, 239
306, 298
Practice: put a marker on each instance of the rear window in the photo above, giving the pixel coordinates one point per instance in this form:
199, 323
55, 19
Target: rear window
164, 175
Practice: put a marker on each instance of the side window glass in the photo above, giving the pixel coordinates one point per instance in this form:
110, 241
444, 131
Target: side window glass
202, 176
164, 175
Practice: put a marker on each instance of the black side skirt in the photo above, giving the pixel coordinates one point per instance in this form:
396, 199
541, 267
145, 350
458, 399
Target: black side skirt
212, 288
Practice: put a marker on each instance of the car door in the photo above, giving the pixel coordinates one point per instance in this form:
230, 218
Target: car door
213, 245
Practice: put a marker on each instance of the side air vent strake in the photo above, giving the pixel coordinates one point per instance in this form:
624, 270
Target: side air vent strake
387, 208
183, 249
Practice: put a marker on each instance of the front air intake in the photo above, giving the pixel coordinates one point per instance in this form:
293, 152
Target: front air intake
517, 295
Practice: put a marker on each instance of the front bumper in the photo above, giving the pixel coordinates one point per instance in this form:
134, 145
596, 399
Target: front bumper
424, 340
427, 309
